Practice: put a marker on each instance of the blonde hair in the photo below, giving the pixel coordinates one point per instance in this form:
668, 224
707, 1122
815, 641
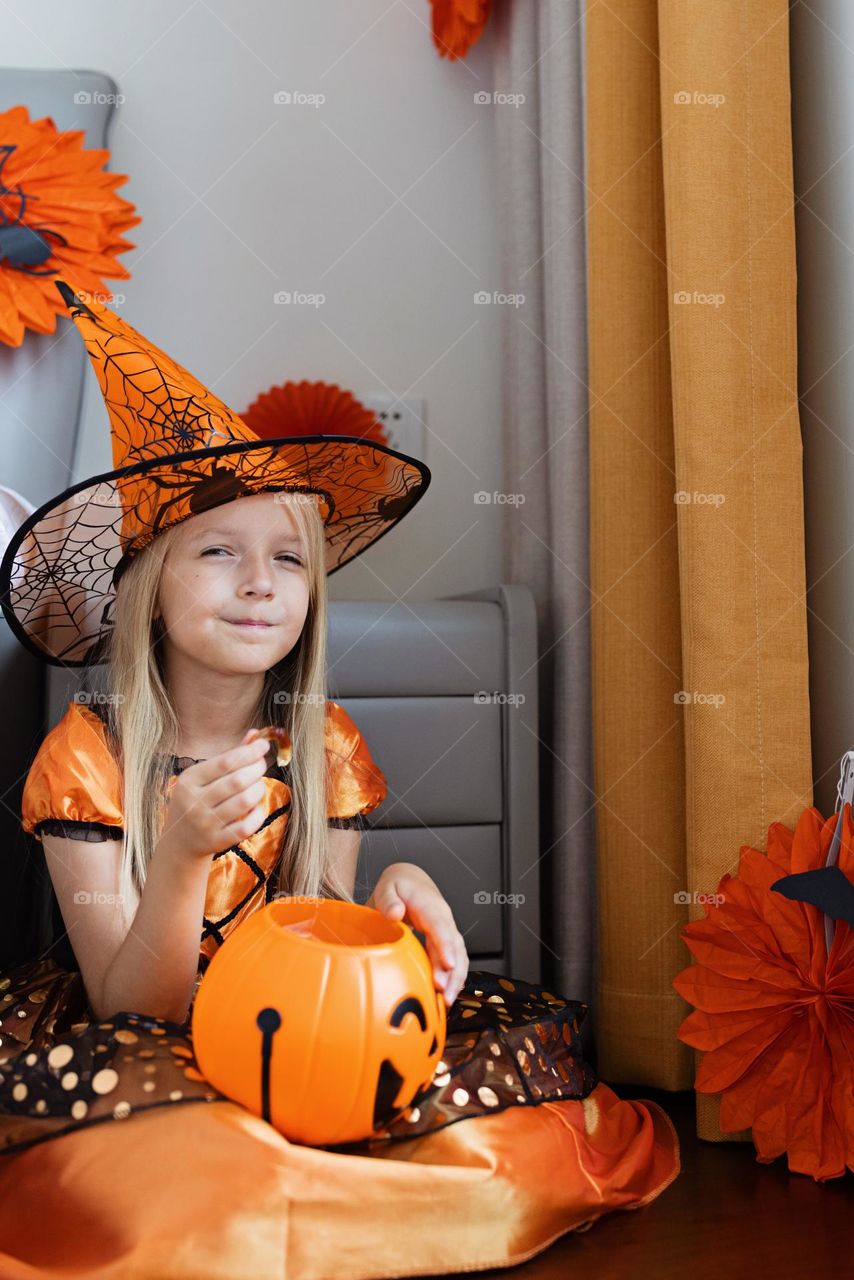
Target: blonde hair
146, 729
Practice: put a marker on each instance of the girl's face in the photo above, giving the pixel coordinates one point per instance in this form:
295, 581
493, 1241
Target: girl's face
242, 560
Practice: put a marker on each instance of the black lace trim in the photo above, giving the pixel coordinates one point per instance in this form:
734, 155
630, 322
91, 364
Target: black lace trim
70, 829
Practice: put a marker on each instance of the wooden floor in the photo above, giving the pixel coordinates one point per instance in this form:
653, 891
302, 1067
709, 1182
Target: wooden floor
725, 1217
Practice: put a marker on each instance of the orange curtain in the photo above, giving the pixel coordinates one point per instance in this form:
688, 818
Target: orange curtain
699, 639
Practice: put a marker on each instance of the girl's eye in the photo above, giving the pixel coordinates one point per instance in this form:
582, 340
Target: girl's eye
287, 555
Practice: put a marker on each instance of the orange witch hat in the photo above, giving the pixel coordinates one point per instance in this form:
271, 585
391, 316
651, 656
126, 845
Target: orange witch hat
177, 451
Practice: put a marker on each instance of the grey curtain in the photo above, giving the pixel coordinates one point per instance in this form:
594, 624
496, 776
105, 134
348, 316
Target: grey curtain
541, 202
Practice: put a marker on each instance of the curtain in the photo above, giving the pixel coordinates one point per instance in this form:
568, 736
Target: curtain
541, 208
699, 639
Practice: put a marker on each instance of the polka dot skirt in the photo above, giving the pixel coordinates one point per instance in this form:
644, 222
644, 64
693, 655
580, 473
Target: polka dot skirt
509, 1043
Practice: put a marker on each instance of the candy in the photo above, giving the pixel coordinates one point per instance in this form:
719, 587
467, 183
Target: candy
281, 737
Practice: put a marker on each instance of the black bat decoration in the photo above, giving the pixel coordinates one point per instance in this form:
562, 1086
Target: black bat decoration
827, 888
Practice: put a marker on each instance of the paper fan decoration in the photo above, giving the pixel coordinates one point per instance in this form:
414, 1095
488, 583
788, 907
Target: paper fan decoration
774, 1011
59, 215
311, 408
457, 25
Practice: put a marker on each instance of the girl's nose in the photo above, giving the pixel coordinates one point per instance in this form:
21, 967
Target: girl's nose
256, 576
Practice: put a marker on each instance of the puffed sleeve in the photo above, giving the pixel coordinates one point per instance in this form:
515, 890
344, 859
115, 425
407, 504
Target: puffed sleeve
355, 783
74, 785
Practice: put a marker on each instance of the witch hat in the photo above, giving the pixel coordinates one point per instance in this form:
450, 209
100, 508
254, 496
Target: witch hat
177, 451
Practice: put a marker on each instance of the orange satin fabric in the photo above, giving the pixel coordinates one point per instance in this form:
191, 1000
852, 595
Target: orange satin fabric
211, 1190
75, 776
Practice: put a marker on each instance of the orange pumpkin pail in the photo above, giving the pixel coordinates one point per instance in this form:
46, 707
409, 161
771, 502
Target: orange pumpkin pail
321, 1016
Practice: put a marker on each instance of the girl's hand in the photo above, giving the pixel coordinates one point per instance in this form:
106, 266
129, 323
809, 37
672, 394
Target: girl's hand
217, 802
405, 892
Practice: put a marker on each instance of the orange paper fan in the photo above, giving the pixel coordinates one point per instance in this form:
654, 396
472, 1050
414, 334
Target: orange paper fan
59, 215
774, 1012
311, 408
457, 25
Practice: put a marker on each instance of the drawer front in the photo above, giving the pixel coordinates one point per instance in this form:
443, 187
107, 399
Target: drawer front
465, 863
441, 758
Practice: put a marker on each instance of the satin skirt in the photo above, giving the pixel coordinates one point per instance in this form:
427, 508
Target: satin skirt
118, 1158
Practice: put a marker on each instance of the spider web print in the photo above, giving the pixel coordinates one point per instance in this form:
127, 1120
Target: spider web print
177, 451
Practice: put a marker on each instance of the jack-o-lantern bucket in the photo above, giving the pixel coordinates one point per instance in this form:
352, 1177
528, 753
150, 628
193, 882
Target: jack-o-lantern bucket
320, 1016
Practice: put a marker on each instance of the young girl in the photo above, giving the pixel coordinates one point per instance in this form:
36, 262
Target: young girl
196, 573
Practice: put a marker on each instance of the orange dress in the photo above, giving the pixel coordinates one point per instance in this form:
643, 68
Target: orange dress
118, 1158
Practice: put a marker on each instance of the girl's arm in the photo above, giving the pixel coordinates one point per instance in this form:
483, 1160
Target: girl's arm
151, 967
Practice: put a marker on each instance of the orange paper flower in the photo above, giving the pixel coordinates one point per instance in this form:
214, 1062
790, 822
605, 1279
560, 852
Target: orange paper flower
59, 215
311, 408
457, 25
773, 1012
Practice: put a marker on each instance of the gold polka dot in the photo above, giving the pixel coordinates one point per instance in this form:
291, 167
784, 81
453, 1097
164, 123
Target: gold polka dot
121, 1110
7, 999
441, 1065
192, 1074
22, 1013
488, 1096
149, 1067
30, 1059
69, 1080
496, 1049
496, 999
175, 1095
490, 1065
60, 1055
520, 1097
105, 1081
469, 1013
145, 1053
509, 1079
459, 1097
149, 1085
4, 983
38, 997
158, 1031
127, 1037
19, 1092
529, 1045
414, 1115
506, 984
41, 1105
180, 1051
79, 1109
442, 1079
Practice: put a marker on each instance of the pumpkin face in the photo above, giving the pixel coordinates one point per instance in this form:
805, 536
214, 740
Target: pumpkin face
320, 1016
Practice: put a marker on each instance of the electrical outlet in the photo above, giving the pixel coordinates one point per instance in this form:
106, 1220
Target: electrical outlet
403, 421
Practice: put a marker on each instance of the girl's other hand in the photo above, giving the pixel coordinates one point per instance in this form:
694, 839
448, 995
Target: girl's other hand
217, 802
405, 892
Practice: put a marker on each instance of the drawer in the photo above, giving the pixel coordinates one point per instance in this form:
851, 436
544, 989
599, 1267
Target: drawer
465, 863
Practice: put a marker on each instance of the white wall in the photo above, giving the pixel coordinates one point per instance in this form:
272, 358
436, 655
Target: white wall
241, 197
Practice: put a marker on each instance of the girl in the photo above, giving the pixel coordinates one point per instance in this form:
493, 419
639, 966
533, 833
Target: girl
196, 572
